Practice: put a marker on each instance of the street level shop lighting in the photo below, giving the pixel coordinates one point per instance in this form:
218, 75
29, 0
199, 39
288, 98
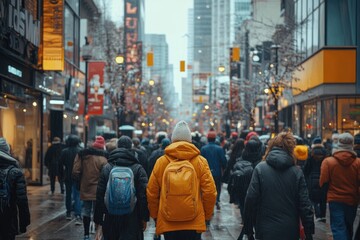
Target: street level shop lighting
221, 68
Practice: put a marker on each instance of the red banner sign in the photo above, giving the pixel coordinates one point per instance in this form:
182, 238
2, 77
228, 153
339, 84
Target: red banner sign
95, 87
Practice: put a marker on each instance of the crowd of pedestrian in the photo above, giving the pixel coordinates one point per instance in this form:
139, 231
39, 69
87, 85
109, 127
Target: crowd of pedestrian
113, 187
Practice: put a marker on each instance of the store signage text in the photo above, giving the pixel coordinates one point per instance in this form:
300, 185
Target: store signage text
22, 22
14, 71
131, 33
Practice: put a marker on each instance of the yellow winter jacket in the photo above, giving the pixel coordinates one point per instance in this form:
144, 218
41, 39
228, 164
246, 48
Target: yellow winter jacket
206, 199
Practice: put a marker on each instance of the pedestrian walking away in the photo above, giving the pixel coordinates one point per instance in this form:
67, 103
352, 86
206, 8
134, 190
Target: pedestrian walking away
14, 208
341, 172
277, 198
215, 156
87, 168
67, 159
181, 191
121, 207
53, 163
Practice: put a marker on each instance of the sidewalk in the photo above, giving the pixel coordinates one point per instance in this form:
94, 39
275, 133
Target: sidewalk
48, 220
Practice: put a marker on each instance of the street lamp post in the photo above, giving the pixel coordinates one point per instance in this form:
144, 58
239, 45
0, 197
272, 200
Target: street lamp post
120, 60
86, 56
276, 89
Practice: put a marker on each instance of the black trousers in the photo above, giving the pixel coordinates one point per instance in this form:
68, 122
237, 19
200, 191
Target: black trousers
181, 235
52, 183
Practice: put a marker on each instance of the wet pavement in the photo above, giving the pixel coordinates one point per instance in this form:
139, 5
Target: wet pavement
48, 220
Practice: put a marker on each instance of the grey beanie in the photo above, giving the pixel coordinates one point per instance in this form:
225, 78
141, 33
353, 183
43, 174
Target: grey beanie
4, 146
181, 132
124, 142
345, 144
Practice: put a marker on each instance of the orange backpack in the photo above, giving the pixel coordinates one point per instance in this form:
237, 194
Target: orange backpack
180, 191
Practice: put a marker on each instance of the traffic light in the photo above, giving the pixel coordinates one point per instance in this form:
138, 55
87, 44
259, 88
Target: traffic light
257, 54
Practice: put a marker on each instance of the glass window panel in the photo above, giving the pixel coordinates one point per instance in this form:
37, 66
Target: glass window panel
322, 25
303, 40
309, 33
328, 118
69, 35
309, 6
304, 13
316, 30
349, 115
20, 124
309, 121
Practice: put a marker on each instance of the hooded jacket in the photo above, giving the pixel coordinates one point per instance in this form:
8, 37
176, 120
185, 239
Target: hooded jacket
16, 217
129, 225
342, 172
68, 155
179, 151
277, 198
87, 167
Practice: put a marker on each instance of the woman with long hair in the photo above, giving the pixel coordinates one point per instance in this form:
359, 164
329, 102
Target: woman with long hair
236, 151
277, 197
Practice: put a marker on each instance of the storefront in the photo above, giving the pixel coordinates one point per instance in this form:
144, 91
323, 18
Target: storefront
21, 116
323, 116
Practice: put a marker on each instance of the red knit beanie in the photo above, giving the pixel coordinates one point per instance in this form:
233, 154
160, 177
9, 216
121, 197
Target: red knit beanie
99, 142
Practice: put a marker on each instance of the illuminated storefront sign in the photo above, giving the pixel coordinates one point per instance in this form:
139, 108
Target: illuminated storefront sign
132, 56
96, 87
53, 48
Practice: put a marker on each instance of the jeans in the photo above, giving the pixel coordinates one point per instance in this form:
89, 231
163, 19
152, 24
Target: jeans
218, 184
342, 218
72, 194
88, 208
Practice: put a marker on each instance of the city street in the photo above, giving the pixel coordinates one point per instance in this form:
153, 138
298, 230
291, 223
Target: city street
48, 220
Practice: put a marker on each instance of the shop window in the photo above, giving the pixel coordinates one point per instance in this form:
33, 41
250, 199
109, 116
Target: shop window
328, 123
349, 115
20, 124
309, 122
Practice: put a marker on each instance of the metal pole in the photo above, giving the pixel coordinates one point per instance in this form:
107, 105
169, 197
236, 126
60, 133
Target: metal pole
86, 104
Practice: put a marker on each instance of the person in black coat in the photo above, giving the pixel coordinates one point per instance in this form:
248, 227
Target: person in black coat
156, 154
53, 163
15, 217
277, 197
312, 172
123, 227
67, 158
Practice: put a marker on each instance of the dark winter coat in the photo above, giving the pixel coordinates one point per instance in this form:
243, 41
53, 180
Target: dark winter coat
141, 155
15, 218
130, 226
215, 156
68, 156
312, 173
357, 150
52, 160
277, 198
153, 157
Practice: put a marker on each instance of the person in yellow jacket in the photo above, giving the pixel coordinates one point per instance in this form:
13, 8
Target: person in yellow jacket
181, 196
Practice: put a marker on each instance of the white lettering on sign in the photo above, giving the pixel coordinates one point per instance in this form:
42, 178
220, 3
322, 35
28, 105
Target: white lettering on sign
23, 22
14, 71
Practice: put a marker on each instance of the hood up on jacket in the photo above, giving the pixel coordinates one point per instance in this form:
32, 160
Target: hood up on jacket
123, 157
279, 159
345, 158
182, 150
301, 152
6, 159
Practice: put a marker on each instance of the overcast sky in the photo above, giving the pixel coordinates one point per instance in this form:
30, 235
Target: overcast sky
169, 17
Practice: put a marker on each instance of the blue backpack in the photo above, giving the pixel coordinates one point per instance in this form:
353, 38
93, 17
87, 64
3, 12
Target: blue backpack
5, 193
120, 194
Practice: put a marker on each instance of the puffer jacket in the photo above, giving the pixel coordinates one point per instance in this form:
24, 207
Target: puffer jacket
15, 218
130, 226
277, 198
182, 151
87, 167
342, 172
